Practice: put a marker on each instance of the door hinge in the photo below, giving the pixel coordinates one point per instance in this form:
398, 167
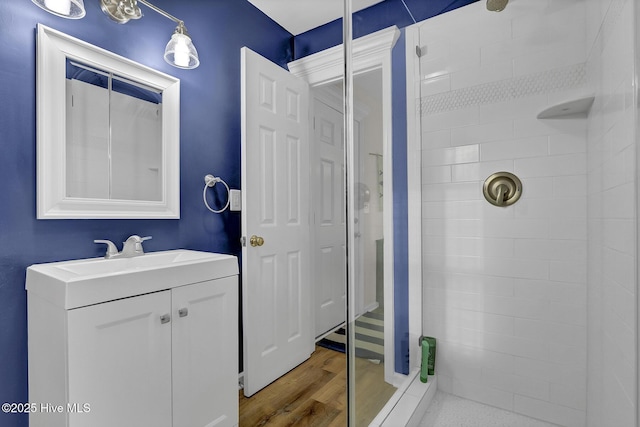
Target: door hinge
418, 51
243, 241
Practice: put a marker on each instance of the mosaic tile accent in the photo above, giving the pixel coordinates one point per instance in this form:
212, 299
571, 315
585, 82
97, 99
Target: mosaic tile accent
447, 410
573, 76
611, 19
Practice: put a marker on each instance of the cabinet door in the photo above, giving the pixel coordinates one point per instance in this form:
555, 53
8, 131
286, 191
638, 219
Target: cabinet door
120, 362
205, 353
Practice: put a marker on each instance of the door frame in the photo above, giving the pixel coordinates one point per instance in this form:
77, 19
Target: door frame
369, 53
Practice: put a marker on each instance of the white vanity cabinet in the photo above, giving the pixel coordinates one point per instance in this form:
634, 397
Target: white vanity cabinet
163, 358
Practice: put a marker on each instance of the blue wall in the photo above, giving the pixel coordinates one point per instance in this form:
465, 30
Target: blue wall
210, 138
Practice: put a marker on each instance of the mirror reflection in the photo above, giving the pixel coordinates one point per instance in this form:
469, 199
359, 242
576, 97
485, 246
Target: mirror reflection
114, 136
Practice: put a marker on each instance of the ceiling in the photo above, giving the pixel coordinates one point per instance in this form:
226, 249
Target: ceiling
298, 16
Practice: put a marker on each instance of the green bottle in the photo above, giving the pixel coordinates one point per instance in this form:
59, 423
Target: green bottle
424, 366
432, 354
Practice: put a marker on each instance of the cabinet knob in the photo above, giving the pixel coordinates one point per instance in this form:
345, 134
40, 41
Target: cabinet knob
165, 318
183, 312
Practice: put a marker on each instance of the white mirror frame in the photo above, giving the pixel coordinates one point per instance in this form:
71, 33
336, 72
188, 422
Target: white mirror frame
53, 49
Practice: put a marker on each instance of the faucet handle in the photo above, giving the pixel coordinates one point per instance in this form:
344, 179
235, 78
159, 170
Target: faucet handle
133, 245
112, 250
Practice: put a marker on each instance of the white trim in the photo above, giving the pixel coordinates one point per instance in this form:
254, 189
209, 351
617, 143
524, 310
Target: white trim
327, 66
369, 52
53, 50
414, 193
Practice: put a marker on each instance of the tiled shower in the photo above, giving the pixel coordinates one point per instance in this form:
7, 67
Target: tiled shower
534, 304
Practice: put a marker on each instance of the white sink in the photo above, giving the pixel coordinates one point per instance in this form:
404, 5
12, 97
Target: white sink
78, 283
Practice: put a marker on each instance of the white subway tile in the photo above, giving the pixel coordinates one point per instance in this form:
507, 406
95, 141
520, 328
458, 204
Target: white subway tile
620, 300
550, 412
617, 203
619, 336
435, 85
513, 109
465, 172
574, 312
480, 171
567, 271
551, 208
480, 393
452, 209
436, 139
566, 395
531, 387
483, 132
515, 346
451, 119
529, 125
484, 73
537, 188
560, 55
620, 268
517, 307
468, 283
569, 186
436, 174
567, 144
452, 228
515, 228
569, 164
561, 293
457, 58
470, 246
561, 228
498, 379
451, 156
561, 250
552, 332
515, 149
568, 355
451, 191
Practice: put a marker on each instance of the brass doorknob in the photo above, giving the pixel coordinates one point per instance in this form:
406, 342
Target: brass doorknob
256, 241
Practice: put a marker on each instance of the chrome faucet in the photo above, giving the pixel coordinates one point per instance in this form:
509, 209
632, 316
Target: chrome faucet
131, 247
112, 251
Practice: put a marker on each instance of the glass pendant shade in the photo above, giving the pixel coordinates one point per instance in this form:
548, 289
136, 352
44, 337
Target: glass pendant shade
180, 51
71, 9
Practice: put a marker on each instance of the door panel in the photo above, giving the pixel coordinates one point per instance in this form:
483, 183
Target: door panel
121, 345
329, 227
205, 353
275, 198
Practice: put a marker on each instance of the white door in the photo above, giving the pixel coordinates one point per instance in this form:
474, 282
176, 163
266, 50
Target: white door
122, 345
205, 353
276, 297
329, 218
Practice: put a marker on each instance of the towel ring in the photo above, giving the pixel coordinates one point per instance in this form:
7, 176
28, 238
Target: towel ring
210, 181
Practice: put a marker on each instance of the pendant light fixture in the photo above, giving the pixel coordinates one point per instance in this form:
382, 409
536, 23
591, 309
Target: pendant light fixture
180, 51
70, 9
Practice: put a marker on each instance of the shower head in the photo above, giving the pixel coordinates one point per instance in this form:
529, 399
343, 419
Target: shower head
496, 5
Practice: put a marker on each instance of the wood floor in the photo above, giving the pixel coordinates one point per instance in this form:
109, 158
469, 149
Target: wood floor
315, 394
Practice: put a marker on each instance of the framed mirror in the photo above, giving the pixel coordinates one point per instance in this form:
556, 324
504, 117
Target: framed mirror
108, 134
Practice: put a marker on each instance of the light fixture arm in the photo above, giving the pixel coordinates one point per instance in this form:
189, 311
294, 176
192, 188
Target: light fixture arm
161, 12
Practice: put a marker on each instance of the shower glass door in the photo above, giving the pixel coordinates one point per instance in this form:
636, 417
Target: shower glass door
368, 234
